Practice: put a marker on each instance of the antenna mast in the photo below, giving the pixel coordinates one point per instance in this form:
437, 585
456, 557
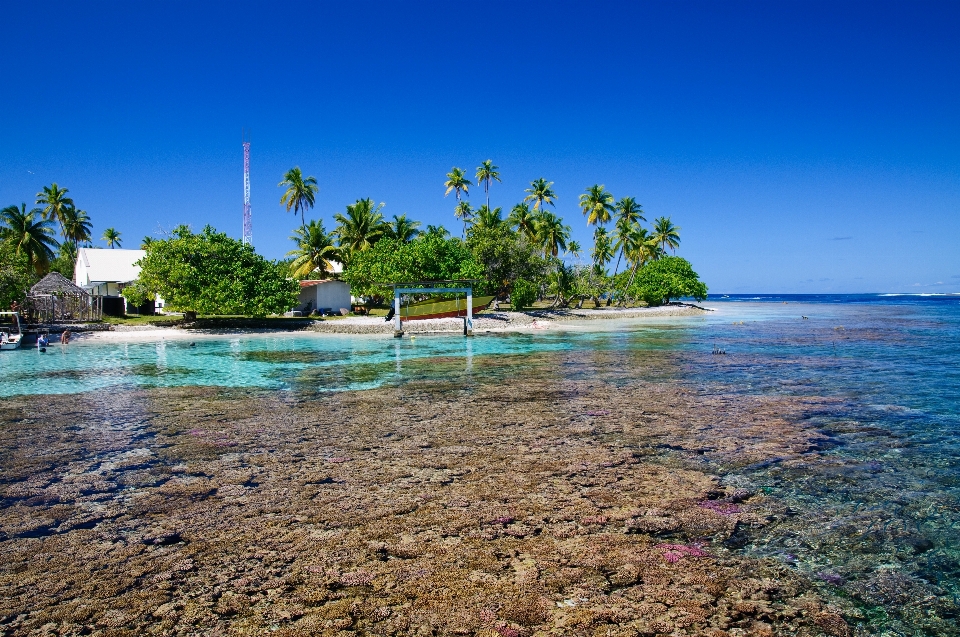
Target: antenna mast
247, 216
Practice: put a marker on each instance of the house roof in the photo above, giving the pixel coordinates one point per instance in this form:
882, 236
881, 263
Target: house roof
310, 284
109, 264
56, 283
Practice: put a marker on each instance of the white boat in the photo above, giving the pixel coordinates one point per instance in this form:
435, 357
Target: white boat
8, 338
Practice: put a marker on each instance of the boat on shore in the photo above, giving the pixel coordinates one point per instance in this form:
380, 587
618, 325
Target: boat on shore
442, 308
11, 339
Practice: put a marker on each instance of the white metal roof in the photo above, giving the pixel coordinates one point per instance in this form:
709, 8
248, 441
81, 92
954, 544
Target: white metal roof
107, 265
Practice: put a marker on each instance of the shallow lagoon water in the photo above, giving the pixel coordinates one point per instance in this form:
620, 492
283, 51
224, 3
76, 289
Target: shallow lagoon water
873, 519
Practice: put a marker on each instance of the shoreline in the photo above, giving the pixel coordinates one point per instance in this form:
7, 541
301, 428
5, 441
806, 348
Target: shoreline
488, 322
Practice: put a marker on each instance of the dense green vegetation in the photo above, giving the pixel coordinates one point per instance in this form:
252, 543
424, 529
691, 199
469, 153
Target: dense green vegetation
210, 273
29, 247
526, 256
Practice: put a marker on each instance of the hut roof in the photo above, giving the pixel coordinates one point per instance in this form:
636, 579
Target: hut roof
56, 283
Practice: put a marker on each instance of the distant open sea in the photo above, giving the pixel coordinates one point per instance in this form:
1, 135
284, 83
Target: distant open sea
873, 518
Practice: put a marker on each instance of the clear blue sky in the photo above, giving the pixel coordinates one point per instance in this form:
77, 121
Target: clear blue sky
802, 147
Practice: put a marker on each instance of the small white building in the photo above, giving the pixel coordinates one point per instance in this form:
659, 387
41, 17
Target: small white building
105, 272
328, 294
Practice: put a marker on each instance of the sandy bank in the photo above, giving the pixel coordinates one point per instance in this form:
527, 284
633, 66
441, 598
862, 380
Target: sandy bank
502, 321
487, 322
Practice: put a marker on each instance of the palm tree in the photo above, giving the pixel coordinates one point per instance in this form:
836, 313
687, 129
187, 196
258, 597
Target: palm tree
666, 234
76, 226
465, 212
300, 194
361, 227
574, 248
523, 221
487, 173
597, 204
629, 216
552, 235
486, 219
457, 182
315, 251
437, 230
602, 252
55, 202
639, 248
112, 237
402, 229
30, 234
146, 242
540, 191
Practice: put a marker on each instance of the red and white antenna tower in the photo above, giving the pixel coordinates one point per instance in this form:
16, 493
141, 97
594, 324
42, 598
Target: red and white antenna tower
247, 216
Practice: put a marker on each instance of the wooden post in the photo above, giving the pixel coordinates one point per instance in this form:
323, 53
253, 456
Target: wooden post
397, 325
468, 322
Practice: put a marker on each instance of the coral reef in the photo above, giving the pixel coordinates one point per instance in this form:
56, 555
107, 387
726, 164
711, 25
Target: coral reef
499, 505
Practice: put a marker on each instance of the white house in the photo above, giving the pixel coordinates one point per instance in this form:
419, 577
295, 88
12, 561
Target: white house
105, 272
324, 295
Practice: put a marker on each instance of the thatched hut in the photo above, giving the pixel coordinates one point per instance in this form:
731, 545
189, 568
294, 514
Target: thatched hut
54, 299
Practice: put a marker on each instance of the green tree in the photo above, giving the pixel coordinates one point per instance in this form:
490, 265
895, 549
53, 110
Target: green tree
486, 174
457, 182
522, 220
145, 242
667, 278
597, 204
300, 193
522, 294
315, 251
505, 257
55, 201
551, 234
540, 192
66, 260
77, 226
17, 274
402, 229
666, 234
112, 237
360, 228
210, 273
29, 234
429, 257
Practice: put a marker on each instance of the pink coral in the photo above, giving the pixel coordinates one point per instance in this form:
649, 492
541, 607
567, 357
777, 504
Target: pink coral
721, 507
675, 552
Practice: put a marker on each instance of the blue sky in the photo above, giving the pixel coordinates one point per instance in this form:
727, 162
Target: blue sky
801, 147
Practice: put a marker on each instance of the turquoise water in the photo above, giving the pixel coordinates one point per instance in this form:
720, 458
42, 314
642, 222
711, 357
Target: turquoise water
873, 519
